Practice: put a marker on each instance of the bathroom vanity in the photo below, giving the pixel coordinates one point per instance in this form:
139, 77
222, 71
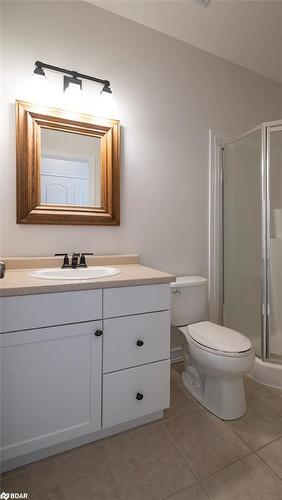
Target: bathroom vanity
81, 361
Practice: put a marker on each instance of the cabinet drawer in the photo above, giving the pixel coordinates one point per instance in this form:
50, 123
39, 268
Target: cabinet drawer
121, 391
136, 300
35, 311
122, 336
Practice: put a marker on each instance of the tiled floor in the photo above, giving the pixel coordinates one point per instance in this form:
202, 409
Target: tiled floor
190, 455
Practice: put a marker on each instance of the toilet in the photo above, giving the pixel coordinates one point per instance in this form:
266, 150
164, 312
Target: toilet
215, 357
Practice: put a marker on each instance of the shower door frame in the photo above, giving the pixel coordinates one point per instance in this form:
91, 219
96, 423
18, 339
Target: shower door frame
267, 128
217, 143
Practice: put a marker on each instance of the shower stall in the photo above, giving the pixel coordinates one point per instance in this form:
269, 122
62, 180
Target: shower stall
251, 226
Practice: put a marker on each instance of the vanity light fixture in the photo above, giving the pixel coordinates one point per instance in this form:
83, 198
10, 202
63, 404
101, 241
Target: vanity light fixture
72, 79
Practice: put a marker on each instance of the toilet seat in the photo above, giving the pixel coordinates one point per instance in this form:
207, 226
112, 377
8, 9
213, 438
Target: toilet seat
217, 339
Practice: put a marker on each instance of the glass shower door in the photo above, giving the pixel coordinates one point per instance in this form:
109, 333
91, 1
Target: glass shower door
274, 164
242, 237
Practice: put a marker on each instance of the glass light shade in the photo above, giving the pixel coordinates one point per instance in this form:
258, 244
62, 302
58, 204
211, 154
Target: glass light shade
38, 78
73, 90
38, 87
106, 104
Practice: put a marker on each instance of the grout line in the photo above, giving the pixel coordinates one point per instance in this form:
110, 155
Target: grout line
203, 410
179, 451
268, 466
268, 405
187, 412
187, 488
168, 419
227, 465
256, 395
270, 442
247, 444
220, 468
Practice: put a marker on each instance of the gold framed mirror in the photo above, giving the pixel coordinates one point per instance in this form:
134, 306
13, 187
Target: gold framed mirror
68, 167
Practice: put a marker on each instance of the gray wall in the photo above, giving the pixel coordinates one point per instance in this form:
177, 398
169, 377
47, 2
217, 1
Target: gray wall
169, 94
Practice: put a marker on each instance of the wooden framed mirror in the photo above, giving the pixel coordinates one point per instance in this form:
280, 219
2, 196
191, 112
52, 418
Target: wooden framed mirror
68, 167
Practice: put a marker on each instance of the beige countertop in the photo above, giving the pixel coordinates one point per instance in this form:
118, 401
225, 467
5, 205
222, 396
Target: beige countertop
19, 281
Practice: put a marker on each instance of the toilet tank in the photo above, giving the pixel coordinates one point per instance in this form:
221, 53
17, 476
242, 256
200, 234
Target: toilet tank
189, 301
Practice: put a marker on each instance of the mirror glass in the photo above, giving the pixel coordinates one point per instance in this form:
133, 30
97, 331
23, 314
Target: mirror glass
70, 168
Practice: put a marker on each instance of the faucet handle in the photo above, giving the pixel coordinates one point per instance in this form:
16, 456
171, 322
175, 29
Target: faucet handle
66, 262
82, 262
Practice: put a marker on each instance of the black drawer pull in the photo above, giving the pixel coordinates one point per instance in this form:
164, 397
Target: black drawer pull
98, 333
139, 343
139, 396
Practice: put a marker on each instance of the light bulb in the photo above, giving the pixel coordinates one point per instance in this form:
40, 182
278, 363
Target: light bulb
73, 90
38, 85
38, 78
106, 104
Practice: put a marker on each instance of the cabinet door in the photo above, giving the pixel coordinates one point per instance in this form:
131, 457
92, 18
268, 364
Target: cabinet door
50, 386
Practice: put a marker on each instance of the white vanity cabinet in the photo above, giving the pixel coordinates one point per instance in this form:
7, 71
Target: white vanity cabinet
81, 363
50, 369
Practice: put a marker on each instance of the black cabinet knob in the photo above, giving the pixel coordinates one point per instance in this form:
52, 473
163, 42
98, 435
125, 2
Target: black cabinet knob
139, 396
98, 333
139, 343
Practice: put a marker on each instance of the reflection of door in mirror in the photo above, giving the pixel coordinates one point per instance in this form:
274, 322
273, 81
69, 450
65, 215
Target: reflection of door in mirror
70, 168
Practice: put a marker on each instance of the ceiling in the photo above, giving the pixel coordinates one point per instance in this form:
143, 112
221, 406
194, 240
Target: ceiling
245, 32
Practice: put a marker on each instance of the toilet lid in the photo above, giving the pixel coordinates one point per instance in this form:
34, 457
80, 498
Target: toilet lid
219, 337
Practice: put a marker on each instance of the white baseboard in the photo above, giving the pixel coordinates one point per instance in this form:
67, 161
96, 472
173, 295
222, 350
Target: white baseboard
176, 355
76, 442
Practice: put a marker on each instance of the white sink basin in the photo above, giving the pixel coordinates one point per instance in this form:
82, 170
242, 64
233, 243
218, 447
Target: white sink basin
75, 274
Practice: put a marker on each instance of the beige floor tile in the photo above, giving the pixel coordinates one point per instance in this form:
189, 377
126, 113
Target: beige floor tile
272, 455
205, 441
247, 479
146, 464
194, 492
180, 401
259, 426
270, 396
85, 474
19, 483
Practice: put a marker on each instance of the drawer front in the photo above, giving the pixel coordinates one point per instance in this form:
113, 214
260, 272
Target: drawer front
135, 340
35, 311
123, 391
136, 300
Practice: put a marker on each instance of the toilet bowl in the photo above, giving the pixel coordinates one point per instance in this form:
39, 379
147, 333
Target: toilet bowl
216, 359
